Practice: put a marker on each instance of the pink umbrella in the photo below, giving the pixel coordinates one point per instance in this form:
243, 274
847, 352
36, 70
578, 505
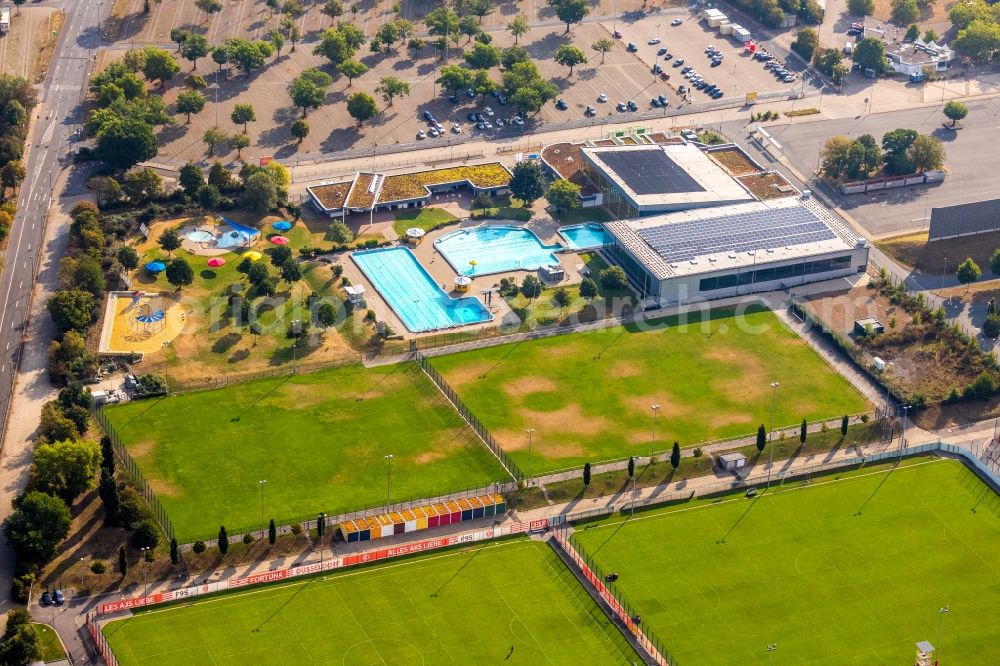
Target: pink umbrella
279, 240
216, 262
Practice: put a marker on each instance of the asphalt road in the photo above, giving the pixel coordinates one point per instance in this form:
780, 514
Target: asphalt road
56, 118
971, 158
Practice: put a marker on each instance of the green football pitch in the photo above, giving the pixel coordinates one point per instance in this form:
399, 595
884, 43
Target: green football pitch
319, 440
850, 569
588, 396
459, 607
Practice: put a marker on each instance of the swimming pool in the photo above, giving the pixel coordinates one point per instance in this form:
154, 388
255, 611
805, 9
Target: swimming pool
585, 236
240, 236
495, 249
201, 236
412, 293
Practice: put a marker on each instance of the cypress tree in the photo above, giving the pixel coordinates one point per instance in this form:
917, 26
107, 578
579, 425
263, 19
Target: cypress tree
223, 540
173, 551
802, 432
586, 474
631, 467
843, 426
675, 456
107, 454
272, 532
122, 561
108, 492
761, 438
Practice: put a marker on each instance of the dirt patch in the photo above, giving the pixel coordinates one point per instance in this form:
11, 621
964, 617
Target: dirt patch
524, 385
733, 161
163, 488
767, 185
444, 446
142, 449
839, 310
624, 369
27, 48
941, 256
302, 396
668, 408
469, 373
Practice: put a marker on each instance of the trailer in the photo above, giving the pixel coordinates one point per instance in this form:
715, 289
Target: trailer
4, 20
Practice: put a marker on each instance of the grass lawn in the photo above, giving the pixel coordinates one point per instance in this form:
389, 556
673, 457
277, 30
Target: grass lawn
943, 255
422, 218
506, 208
588, 395
318, 439
52, 649
466, 606
851, 569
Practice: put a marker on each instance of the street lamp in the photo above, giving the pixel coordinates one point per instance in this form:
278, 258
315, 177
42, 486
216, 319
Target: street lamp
770, 435
320, 530
82, 565
145, 589
530, 432
261, 484
943, 611
388, 478
770, 649
652, 444
902, 439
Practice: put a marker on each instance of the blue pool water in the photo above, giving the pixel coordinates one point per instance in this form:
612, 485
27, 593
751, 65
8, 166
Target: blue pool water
412, 293
240, 236
495, 249
585, 236
201, 236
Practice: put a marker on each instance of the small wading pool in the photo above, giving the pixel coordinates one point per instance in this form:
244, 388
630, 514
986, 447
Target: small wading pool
585, 236
201, 236
413, 294
495, 249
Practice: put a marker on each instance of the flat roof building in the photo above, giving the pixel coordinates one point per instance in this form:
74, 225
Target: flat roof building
647, 180
723, 251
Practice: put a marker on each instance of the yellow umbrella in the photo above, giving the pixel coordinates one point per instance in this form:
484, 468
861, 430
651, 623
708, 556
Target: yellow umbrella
253, 255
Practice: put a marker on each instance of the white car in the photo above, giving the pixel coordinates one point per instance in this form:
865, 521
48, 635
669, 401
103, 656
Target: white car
456, 128
488, 125
433, 132
518, 120
677, 21
602, 98
654, 41
421, 134
488, 111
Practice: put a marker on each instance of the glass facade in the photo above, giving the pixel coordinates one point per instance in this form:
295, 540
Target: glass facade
773, 273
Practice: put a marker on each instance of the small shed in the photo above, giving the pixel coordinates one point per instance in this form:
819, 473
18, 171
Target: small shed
862, 326
355, 293
732, 462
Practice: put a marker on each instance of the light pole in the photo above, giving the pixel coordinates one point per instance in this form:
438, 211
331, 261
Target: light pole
530, 432
902, 439
770, 446
943, 611
652, 444
770, 650
261, 484
145, 590
320, 531
944, 271
388, 478
82, 565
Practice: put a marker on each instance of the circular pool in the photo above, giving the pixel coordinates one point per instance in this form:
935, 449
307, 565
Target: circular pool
201, 236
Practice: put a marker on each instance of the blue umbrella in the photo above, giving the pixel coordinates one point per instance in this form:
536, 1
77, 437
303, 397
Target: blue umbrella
156, 266
282, 225
151, 318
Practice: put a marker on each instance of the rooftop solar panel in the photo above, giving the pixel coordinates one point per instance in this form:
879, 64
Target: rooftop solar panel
649, 171
755, 230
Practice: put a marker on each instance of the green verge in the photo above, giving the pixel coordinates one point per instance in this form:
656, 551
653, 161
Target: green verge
421, 218
318, 439
511, 594
52, 649
850, 568
588, 396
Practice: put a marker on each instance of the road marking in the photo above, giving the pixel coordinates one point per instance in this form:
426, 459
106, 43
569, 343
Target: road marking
47, 136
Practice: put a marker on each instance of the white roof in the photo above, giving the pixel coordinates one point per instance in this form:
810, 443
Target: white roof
355, 290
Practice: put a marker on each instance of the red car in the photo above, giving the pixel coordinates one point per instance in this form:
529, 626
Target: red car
617, 34
664, 76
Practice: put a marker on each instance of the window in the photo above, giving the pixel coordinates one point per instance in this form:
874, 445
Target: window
769, 274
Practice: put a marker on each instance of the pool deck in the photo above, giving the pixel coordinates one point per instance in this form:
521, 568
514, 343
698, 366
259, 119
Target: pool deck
442, 272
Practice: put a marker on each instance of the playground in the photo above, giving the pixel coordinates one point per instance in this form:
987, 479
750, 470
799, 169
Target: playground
140, 322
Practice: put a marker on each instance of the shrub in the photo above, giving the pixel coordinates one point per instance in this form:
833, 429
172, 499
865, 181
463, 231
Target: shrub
991, 327
146, 535
296, 529
98, 567
247, 539
613, 278
697, 453
198, 547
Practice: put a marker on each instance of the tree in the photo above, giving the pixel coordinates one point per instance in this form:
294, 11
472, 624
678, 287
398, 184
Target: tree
333, 44
570, 56
570, 11
126, 141
178, 35
834, 156
512, 55
861, 7
443, 22
12, 173
480, 8
844, 422
20, 643
912, 33
980, 40
107, 489
280, 255
870, 54
214, 136
995, 269
220, 56
391, 87
142, 186
300, 129
239, 142
531, 287
527, 182
454, 78
586, 474
905, 12
127, 257
260, 193
927, 152
243, 114
563, 194
37, 525
968, 272
305, 94
352, 69
208, 6
588, 289
191, 178
174, 555
675, 456
71, 310
169, 240
67, 468
246, 55
468, 26
122, 561
806, 42
333, 8
194, 47
931, 35
561, 297
362, 107
179, 273
518, 27
955, 111
483, 56
603, 46
761, 438
864, 156
290, 271
631, 467
190, 101
159, 65
223, 540
613, 278
803, 430
277, 40
272, 532
209, 196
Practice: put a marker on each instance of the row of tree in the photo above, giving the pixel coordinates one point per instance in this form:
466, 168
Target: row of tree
17, 99
902, 151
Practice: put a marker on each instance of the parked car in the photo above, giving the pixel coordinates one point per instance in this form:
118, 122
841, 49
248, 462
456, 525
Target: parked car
480, 125
788, 78
682, 89
453, 99
661, 51
421, 134
561, 104
631, 48
676, 22
710, 49
657, 69
632, 106
518, 120
46, 599
602, 98
488, 124
715, 63
617, 34
432, 132
591, 111
489, 111
456, 128
428, 116
668, 57
717, 94
679, 62
470, 92
621, 107
654, 102
664, 76
499, 122
654, 41
471, 117
60, 599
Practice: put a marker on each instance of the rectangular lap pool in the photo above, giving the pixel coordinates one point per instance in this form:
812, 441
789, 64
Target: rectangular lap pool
412, 293
586, 236
495, 249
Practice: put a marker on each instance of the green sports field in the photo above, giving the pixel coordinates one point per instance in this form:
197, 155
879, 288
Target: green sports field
589, 395
851, 569
458, 607
318, 439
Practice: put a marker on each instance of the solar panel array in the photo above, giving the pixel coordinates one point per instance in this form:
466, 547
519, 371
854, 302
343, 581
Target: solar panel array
649, 171
740, 232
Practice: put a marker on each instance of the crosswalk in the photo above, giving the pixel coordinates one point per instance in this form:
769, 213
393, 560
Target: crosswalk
49, 131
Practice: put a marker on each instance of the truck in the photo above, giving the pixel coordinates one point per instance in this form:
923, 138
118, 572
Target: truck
4, 20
